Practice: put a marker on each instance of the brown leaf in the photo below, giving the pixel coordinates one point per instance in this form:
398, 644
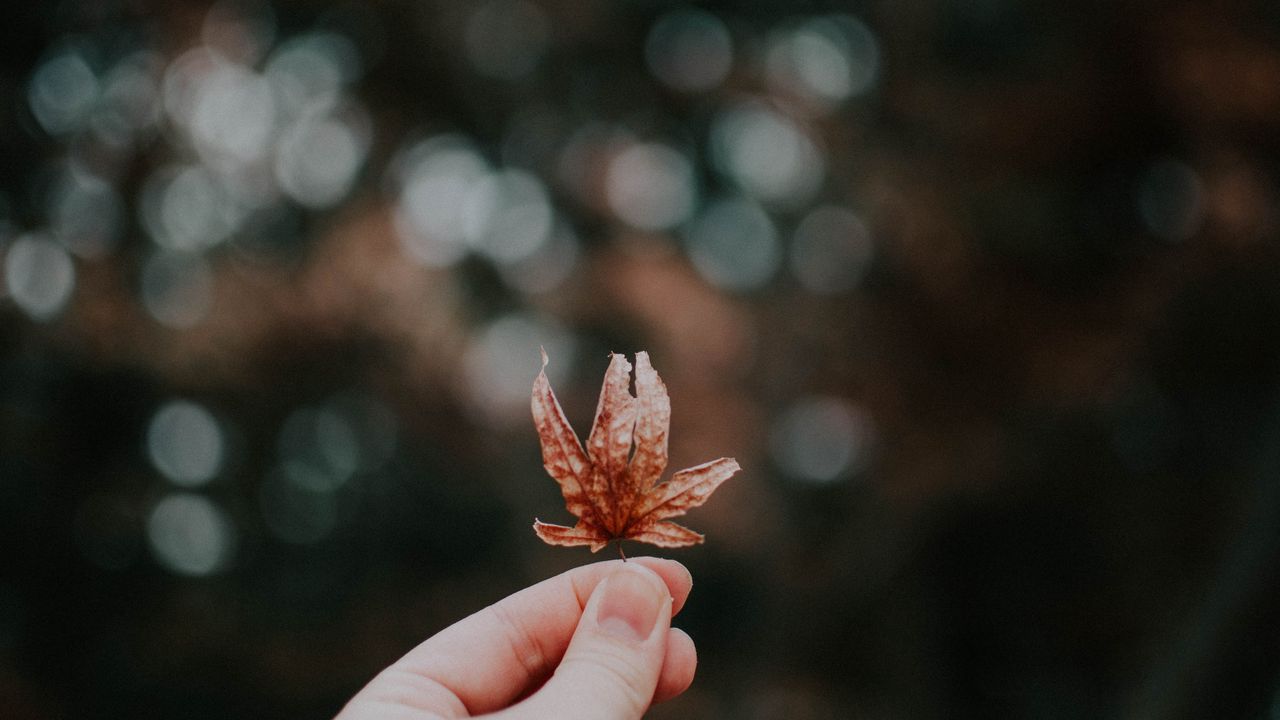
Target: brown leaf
615, 493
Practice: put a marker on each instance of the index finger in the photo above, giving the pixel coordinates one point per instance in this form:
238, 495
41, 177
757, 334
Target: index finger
484, 662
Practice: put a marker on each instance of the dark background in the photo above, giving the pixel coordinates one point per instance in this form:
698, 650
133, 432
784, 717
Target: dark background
1007, 405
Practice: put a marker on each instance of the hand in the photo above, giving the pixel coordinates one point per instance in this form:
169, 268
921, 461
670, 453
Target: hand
599, 636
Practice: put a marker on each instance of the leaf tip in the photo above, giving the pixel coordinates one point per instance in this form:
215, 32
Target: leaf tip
543, 350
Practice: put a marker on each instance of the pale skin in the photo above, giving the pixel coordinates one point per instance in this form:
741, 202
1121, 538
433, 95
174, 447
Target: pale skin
594, 642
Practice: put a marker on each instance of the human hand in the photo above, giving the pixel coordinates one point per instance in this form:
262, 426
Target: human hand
598, 636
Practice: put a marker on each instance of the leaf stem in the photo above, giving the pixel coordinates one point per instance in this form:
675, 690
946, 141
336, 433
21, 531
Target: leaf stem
620, 553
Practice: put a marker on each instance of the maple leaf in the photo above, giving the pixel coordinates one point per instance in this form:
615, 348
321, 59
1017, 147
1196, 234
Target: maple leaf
614, 493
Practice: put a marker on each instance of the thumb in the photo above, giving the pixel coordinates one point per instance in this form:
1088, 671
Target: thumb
612, 664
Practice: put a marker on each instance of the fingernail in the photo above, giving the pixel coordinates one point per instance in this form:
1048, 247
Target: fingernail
630, 604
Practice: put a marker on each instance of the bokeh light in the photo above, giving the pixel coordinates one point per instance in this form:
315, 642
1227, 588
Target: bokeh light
318, 158
821, 439
550, 265
39, 276
499, 359
257, 138
309, 72
185, 443
507, 215
734, 244
191, 535
63, 91
321, 447
318, 449
981, 299
85, 214
129, 109
831, 250
689, 50
232, 115
436, 178
651, 186
372, 424
767, 154
824, 60
188, 209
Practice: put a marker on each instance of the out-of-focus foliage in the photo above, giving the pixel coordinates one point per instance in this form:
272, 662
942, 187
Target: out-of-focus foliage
983, 295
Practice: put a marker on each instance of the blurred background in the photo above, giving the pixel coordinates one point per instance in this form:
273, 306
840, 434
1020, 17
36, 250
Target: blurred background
983, 295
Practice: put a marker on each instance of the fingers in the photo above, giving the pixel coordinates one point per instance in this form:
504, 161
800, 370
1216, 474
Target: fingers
613, 664
679, 666
484, 662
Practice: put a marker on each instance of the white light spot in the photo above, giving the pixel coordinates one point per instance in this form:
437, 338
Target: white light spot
233, 117
734, 245
825, 60
317, 160
507, 215
183, 81
130, 102
309, 72
436, 178
766, 154
831, 250
651, 186
505, 39
177, 289
821, 439
84, 214
1171, 201
190, 535
39, 275
63, 90
502, 360
689, 50
188, 209
185, 443
548, 267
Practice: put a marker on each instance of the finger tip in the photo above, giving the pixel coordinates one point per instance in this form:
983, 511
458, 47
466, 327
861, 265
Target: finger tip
677, 577
652, 575
673, 566
679, 666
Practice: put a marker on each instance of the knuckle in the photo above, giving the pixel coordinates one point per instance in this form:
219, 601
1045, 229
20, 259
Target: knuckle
525, 645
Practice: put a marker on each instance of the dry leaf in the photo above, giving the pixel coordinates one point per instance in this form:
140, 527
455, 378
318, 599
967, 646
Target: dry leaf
615, 494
